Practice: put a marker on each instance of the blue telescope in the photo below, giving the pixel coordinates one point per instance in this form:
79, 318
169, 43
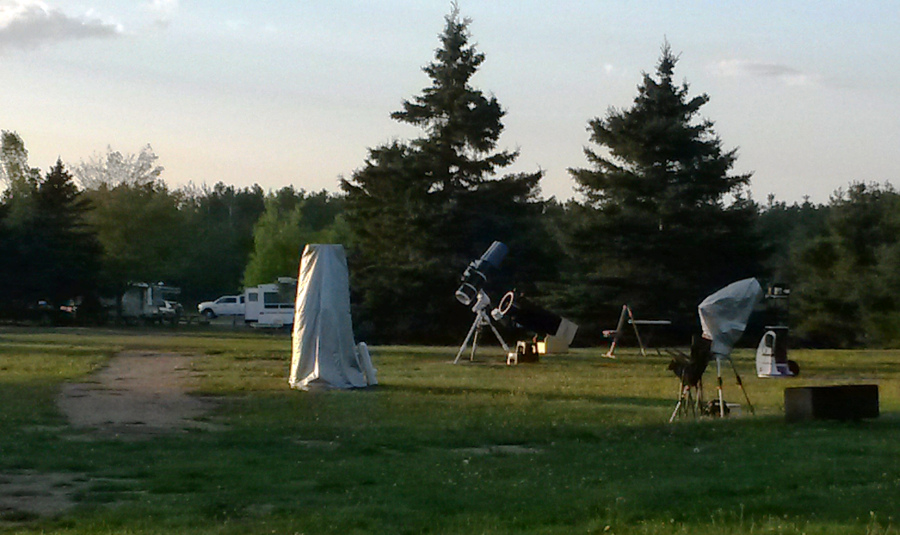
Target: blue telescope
475, 275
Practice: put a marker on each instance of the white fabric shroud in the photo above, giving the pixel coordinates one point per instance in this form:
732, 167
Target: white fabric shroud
724, 314
324, 354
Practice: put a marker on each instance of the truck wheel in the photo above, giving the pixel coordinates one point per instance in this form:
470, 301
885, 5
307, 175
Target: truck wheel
209, 314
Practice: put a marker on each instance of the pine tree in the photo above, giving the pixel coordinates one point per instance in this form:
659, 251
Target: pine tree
654, 229
50, 255
419, 211
461, 123
71, 254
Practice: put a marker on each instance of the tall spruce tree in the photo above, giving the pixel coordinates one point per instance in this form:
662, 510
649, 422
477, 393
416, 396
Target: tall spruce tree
48, 253
71, 254
653, 229
419, 211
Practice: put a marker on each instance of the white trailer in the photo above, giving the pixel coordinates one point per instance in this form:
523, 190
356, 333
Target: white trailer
149, 302
271, 305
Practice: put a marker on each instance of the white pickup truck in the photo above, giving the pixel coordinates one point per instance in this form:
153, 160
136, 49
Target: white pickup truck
227, 305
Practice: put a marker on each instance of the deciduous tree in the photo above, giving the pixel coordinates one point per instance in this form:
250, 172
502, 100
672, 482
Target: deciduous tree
114, 168
221, 220
139, 223
20, 180
848, 278
290, 221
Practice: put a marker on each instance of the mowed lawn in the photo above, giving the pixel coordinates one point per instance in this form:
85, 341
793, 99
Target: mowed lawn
574, 444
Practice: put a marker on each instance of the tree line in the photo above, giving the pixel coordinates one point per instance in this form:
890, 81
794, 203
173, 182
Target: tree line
88, 231
660, 221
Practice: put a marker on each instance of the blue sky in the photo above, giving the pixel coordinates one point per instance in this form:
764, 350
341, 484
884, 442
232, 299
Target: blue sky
295, 92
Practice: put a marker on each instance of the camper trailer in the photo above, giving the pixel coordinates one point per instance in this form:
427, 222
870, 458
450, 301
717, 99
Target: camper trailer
271, 305
150, 302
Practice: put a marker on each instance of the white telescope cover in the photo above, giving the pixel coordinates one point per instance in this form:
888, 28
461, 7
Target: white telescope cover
324, 354
724, 314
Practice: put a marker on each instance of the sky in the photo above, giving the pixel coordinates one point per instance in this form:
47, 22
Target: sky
296, 92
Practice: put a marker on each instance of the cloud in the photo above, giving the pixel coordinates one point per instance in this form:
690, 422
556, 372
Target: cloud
163, 10
239, 26
244, 27
32, 23
738, 68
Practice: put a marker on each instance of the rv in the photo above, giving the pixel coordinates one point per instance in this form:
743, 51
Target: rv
271, 305
149, 302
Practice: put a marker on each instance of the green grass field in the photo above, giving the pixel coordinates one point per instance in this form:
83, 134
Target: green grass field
574, 444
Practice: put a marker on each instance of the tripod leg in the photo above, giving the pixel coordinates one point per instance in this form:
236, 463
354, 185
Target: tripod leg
675, 412
500, 338
466, 341
699, 401
678, 406
686, 402
719, 386
741, 384
475, 343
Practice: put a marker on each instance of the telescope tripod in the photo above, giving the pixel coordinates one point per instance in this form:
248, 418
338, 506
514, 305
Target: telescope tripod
719, 359
689, 403
690, 400
482, 320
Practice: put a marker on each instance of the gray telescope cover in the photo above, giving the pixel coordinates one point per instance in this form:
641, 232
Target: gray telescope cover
724, 314
324, 354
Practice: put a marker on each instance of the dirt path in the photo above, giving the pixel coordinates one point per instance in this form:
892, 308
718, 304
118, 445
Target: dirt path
139, 395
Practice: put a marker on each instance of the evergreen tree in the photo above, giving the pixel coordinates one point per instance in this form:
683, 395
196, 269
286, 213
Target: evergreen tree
69, 263
420, 211
49, 255
848, 278
461, 123
654, 229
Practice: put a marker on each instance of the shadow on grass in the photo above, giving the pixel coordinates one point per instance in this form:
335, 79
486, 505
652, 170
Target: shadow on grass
548, 396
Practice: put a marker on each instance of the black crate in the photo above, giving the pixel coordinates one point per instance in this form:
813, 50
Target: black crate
839, 402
